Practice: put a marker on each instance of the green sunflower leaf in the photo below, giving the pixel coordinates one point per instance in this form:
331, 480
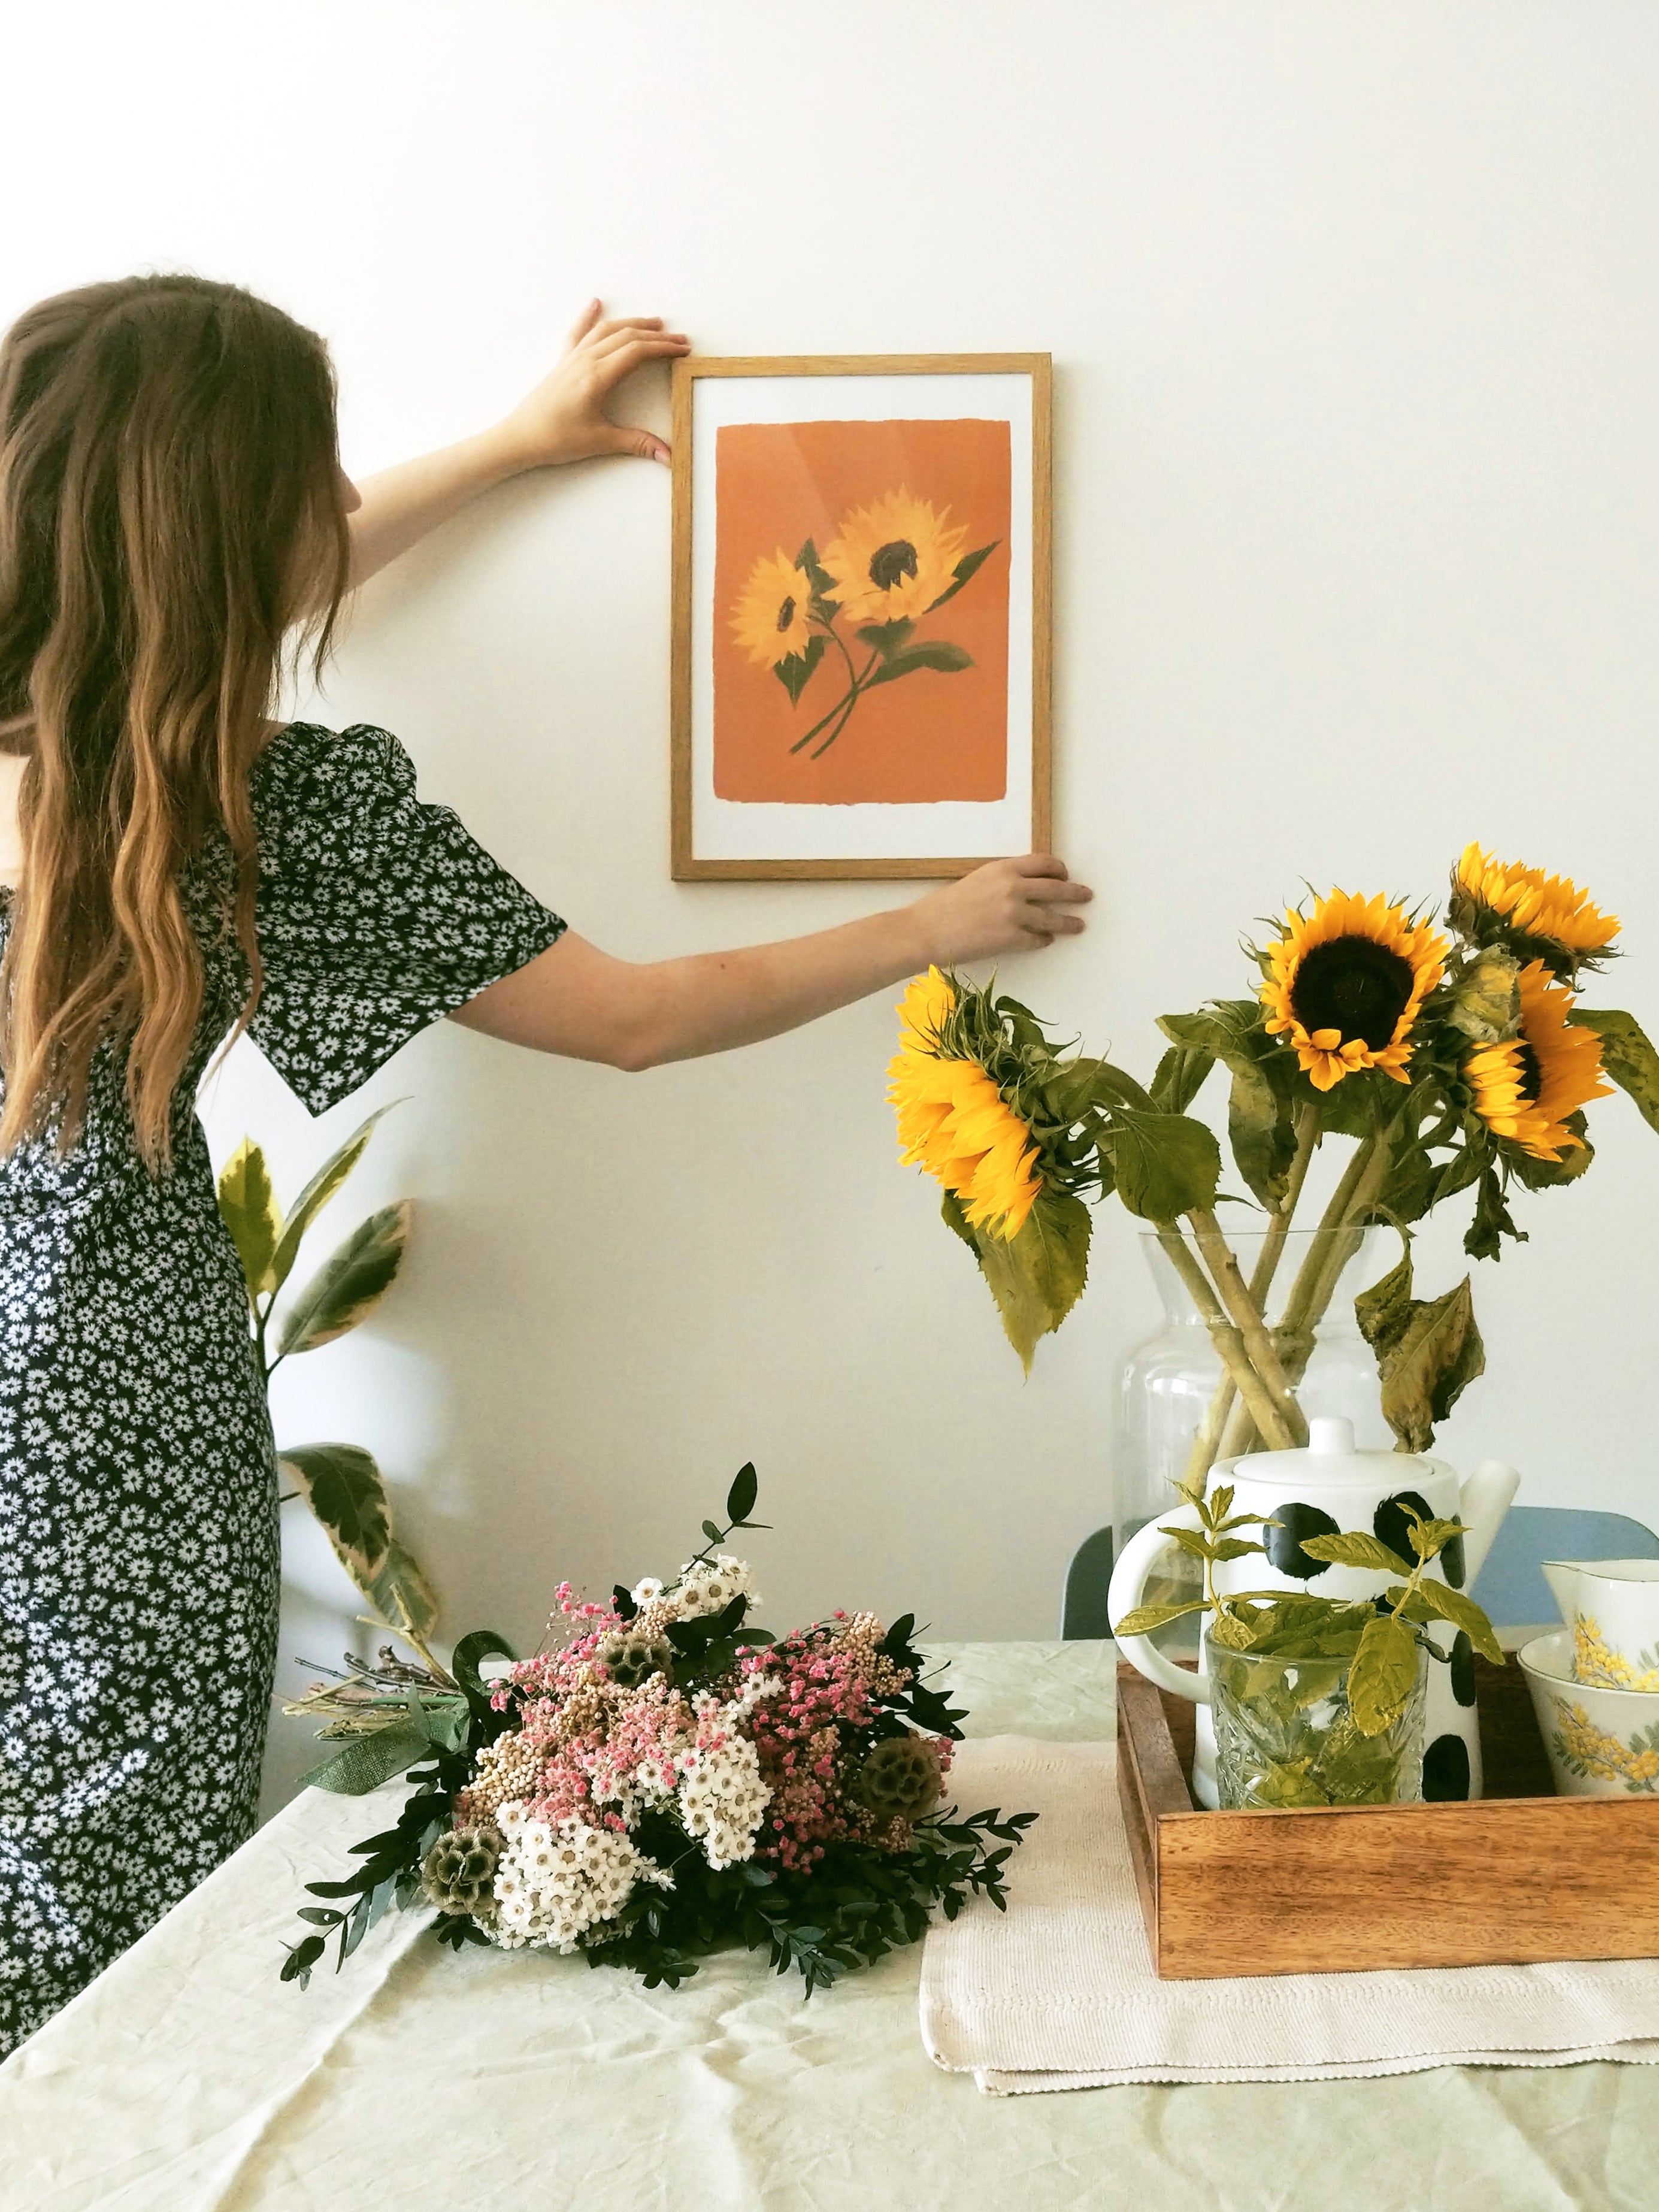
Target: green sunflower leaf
1181, 1075
794, 670
886, 638
1165, 1164
955, 1220
1038, 1276
1428, 1351
1262, 1105
965, 571
1493, 1222
1627, 1054
947, 659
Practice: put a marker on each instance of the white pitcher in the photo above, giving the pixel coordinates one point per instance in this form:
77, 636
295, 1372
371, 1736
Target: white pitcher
1326, 1488
1611, 1607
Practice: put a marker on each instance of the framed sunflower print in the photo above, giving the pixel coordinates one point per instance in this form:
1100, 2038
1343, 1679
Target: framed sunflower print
861, 604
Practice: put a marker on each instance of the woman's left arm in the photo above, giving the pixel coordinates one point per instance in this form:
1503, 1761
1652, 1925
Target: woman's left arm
563, 419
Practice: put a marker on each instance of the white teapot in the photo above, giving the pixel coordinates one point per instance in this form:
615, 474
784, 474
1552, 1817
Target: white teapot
1326, 1488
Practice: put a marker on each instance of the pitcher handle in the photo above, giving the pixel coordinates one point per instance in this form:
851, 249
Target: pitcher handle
1123, 1596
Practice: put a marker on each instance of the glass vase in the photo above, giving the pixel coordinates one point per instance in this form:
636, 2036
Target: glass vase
1169, 1381
1285, 1736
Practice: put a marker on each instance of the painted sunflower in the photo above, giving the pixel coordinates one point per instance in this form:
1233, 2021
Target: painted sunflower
1525, 1089
952, 1120
893, 559
1547, 916
1346, 984
770, 620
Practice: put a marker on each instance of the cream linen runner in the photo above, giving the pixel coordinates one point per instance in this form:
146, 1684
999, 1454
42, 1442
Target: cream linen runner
1059, 1993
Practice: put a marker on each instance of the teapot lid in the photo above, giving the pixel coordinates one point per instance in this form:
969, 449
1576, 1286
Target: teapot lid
1330, 1457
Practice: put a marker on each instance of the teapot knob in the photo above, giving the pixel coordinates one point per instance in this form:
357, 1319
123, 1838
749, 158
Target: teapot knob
1331, 1436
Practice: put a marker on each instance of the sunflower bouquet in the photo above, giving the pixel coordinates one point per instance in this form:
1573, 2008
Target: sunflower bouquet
661, 1779
1453, 1054
889, 567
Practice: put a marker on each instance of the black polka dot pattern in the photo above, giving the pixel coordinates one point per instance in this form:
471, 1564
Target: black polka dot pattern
1284, 1542
1446, 1771
139, 1549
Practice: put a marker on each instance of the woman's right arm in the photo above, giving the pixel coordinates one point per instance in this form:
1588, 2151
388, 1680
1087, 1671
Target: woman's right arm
583, 1003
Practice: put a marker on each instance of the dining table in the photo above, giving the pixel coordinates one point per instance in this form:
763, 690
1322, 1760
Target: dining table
189, 2076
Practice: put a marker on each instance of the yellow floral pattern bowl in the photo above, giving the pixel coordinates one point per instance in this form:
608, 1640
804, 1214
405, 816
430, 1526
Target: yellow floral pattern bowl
1602, 1742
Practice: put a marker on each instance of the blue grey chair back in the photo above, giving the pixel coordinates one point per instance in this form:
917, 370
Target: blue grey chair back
1511, 1584
1082, 1609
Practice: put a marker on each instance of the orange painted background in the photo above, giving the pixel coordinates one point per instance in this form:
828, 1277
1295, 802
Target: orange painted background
926, 736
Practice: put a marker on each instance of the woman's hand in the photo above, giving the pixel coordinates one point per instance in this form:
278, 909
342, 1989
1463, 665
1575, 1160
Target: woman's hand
564, 418
1007, 906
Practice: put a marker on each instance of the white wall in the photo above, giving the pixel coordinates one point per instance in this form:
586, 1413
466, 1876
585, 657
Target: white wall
1353, 314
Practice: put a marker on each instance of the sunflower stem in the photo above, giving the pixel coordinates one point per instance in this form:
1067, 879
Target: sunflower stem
1227, 1337
1206, 1443
1264, 1358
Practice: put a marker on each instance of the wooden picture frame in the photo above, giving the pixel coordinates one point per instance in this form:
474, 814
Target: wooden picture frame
911, 790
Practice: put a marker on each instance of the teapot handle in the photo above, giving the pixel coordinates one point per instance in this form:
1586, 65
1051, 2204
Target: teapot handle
1123, 1596
1482, 1502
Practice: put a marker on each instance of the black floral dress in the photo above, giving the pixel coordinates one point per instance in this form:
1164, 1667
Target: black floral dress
138, 1533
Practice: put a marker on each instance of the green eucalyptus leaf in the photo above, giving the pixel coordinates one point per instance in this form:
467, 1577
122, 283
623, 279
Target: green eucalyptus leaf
247, 1207
347, 1493
1627, 1055
350, 1283
1038, 1276
1382, 1675
319, 1191
746, 1489
1165, 1164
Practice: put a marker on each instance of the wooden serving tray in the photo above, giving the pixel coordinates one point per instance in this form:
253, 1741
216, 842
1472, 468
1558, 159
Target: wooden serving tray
1519, 1875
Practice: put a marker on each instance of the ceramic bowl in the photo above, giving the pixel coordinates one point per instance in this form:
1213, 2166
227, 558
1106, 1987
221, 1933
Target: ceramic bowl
1601, 1742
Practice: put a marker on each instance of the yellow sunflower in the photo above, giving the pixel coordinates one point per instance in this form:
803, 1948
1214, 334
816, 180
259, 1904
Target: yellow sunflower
1496, 898
769, 621
1525, 1089
952, 1120
1346, 984
892, 559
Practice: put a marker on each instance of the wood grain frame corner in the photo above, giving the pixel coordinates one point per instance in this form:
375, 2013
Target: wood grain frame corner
685, 867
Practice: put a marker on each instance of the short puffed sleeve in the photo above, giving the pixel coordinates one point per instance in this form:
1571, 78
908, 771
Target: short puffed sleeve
377, 913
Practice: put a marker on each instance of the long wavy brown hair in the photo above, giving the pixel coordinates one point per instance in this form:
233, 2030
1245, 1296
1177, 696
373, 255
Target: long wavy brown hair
170, 511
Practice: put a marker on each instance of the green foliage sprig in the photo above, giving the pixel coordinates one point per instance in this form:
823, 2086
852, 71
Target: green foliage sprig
1378, 1640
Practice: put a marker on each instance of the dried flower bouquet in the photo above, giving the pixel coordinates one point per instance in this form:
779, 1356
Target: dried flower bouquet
660, 1780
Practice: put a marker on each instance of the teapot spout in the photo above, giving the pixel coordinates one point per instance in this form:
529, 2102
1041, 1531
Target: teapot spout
1486, 1497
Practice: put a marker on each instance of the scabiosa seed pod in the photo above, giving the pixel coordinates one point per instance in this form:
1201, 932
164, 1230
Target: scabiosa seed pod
459, 1871
631, 1659
901, 1778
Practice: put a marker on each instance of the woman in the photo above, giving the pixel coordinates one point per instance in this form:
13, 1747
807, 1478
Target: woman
178, 869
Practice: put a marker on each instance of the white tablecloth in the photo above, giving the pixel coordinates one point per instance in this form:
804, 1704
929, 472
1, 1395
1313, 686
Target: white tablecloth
188, 2077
